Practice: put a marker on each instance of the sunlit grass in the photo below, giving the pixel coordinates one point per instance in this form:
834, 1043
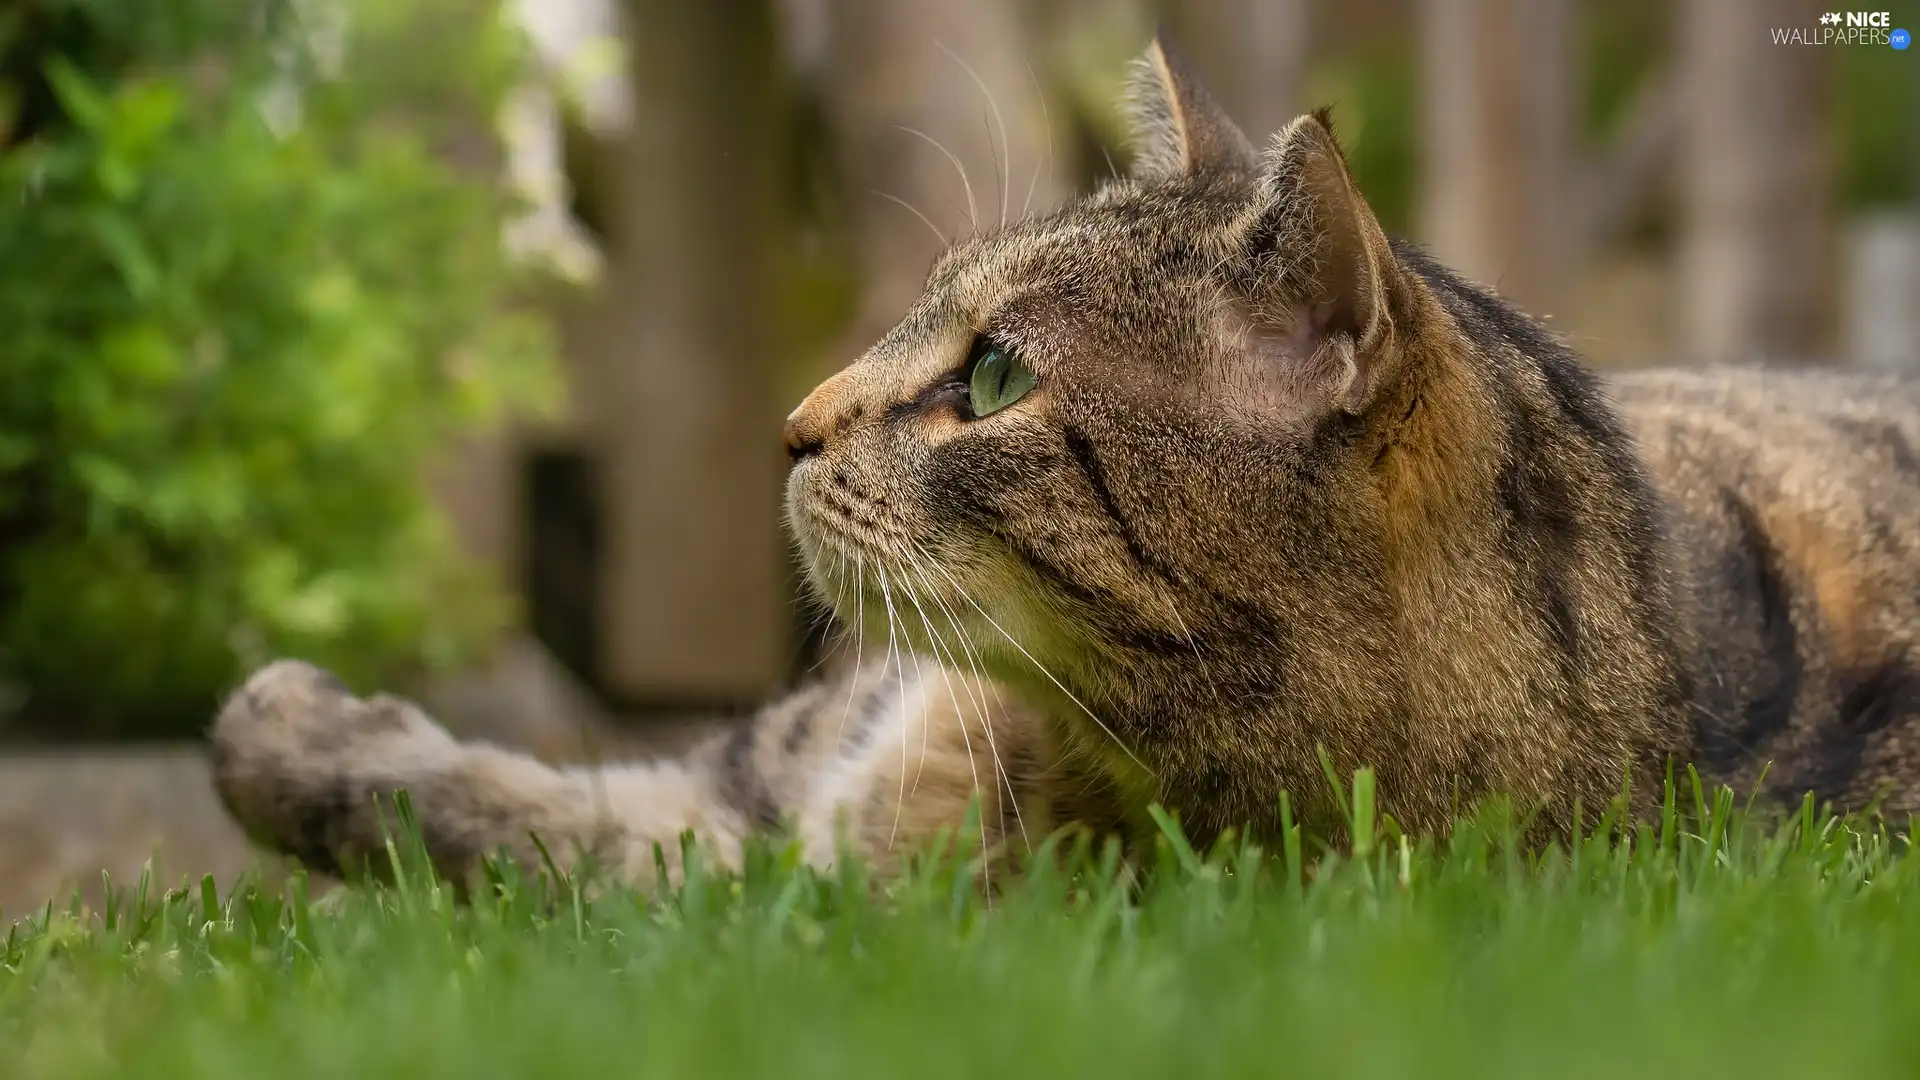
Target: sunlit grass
1708, 943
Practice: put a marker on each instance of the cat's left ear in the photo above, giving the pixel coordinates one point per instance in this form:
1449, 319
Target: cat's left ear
1178, 130
1321, 267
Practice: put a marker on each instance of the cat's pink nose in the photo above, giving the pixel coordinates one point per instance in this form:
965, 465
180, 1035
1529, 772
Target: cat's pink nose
819, 417
801, 440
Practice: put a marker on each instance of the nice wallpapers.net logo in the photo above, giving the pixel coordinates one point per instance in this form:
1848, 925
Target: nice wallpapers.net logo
1846, 28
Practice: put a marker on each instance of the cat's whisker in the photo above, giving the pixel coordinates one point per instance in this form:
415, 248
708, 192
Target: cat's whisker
915, 211
859, 645
919, 673
820, 607
966, 643
947, 613
993, 155
934, 593
1046, 124
973, 210
986, 716
1042, 668
900, 802
838, 580
1006, 778
1005, 167
934, 640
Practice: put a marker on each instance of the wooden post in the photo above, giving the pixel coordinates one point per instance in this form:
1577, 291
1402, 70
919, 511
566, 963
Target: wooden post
1250, 54
1757, 254
897, 65
696, 607
1500, 201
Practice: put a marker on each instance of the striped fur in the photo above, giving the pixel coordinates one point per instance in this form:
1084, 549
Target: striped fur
1283, 489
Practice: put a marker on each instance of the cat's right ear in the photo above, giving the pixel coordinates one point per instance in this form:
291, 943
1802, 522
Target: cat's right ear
1178, 131
1322, 274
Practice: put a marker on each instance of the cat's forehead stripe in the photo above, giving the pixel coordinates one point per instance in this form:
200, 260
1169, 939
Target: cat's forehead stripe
983, 275
969, 285
963, 293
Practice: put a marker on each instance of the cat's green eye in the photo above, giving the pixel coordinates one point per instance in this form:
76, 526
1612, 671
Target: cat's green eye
996, 380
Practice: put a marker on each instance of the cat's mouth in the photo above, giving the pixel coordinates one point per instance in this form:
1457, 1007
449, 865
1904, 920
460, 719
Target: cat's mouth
833, 517
878, 577
852, 540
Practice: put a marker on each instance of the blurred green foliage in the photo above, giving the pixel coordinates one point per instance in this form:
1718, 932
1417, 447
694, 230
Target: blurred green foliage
251, 283
1877, 116
1374, 93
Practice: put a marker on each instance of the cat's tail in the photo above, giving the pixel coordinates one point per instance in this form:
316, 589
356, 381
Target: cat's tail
310, 770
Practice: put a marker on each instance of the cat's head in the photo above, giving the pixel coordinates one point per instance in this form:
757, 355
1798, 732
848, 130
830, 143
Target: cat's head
1137, 425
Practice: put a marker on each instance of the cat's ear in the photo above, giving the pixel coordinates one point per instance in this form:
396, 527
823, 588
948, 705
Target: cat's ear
1177, 129
1321, 263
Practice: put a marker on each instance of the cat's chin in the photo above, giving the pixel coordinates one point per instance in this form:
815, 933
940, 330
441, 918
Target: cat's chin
845, 570
964, 602
895, 601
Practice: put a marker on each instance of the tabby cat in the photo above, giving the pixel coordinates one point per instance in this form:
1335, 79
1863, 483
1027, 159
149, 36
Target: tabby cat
1163, 495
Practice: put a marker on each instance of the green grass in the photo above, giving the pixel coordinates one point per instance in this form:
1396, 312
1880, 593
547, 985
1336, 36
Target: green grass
1705, 944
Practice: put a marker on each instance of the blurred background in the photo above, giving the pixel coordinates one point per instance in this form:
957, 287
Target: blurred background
446, 342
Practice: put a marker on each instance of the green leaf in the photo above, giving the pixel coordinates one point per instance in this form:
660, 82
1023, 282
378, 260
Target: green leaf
16, 450
229, 358
116, 175
106, 480
128, 252
82, 101
144, 114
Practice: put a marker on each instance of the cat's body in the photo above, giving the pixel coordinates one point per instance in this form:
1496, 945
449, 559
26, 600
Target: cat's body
1263, 487
1795, 526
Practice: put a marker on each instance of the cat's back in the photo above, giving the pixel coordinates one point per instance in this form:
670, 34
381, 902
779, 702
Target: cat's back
1795, 515
1787, 444
1820, 402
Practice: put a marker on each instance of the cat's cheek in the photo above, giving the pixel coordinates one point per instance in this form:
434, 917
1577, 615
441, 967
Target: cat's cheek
809, 532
